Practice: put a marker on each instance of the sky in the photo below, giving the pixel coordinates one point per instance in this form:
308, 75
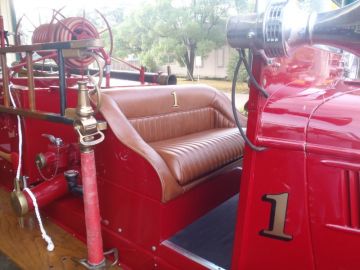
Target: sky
40, 11
26, 5
43, 8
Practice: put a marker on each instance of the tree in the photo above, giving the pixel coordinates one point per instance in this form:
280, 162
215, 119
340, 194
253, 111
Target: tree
163, 31
244, 6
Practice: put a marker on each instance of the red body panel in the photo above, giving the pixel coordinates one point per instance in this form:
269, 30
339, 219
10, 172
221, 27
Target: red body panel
310, 127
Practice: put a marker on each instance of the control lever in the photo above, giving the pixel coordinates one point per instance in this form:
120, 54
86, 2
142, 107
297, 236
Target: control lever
56, 141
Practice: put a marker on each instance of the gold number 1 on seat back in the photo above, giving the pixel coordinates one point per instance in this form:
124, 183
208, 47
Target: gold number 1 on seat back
176, 104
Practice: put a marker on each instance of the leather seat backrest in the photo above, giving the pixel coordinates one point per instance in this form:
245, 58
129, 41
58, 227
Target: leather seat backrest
176, 124
153, 114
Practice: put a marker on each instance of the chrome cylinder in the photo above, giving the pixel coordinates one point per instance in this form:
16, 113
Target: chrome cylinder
284, 26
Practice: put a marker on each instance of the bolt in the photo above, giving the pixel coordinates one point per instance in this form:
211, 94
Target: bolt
251, 35
269, 61
105, 222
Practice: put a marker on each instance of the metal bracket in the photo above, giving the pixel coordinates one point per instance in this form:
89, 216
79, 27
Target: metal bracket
104, 265
90, 139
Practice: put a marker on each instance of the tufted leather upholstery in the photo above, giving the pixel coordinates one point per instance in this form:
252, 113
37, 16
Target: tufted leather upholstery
184, 144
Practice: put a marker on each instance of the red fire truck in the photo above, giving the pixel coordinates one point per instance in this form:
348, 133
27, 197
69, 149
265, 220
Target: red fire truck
155, 176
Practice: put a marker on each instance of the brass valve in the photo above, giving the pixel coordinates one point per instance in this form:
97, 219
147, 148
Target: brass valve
86, 125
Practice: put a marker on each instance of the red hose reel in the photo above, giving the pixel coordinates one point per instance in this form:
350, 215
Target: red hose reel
64, 29
72, 28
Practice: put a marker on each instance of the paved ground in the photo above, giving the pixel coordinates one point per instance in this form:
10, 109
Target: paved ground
240, 100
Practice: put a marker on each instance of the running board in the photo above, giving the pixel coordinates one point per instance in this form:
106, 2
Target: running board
192, 256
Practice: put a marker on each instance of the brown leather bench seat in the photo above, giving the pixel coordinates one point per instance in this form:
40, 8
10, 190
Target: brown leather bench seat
184, 143
193, 156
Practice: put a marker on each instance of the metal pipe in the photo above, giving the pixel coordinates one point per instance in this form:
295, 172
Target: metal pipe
73, 44
30, 79
86, 127
20, 65
45, 193
149, 77
5, 79
91, 207
62, 80
51, 117
107, 70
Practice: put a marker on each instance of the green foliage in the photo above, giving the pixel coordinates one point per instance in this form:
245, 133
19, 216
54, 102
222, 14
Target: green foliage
161, 31
234, 58
245, 6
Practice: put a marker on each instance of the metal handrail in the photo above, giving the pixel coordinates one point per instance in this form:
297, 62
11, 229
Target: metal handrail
62, 48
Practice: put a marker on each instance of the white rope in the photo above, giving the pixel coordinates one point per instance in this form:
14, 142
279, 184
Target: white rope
44, 235
18, 171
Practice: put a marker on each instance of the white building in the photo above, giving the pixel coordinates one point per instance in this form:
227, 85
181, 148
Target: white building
213, 66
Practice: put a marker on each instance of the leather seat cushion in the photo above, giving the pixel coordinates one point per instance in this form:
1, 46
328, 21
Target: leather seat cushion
193, 156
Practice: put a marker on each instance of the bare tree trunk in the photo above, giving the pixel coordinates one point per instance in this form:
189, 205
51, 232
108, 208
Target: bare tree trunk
190, 59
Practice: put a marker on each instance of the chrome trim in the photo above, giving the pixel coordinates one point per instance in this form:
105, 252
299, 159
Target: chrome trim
284, 26
192, 256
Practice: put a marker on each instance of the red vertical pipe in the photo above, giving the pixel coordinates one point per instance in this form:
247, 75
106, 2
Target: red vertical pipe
142, 75
107, 76
91, 207
354, 199
107, 67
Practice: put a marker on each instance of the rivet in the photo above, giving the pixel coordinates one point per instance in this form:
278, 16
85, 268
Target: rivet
153, 248
119, 230
105, 222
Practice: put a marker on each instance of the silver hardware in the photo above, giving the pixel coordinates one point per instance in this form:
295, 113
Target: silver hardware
56, 141
25, 181
284, 26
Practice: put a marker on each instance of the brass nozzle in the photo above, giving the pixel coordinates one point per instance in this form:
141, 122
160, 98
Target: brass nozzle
83, 108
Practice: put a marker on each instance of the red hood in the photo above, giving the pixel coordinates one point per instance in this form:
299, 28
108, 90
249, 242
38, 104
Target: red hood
322, 118
334, 126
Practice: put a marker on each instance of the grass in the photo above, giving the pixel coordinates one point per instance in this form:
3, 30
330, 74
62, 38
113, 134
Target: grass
218, 84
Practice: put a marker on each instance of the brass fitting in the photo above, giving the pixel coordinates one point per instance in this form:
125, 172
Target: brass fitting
40, 160
19, 203
18, 200
83, 108
85, 124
